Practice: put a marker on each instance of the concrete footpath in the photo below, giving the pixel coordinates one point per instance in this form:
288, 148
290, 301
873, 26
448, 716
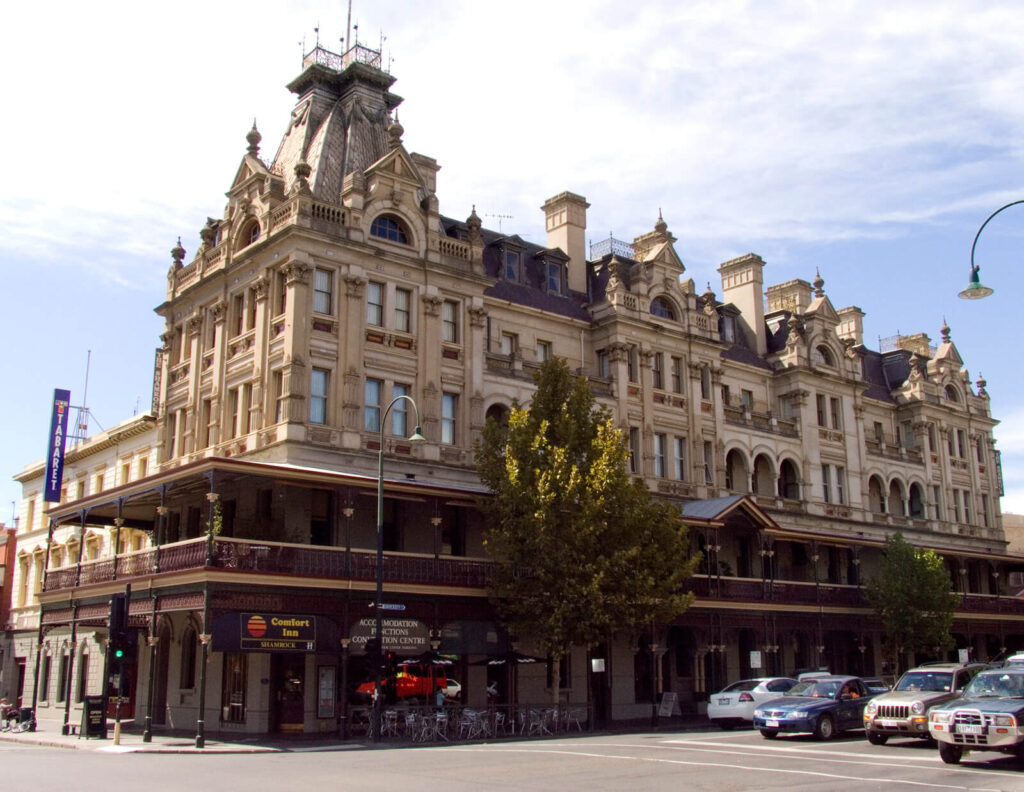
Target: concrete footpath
174, 742
131, 741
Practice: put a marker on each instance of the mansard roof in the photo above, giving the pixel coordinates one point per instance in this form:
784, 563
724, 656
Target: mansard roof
339, 124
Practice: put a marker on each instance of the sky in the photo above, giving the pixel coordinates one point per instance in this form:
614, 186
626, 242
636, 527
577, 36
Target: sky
865, 140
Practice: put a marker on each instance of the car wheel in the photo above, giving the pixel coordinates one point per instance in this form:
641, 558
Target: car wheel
825, 728
877, 739
769, 734
950, 754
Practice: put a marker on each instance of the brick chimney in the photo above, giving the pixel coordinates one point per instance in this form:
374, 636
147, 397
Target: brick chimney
565, 217
742, 285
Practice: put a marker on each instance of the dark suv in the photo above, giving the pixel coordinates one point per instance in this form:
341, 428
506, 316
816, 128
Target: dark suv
903, 711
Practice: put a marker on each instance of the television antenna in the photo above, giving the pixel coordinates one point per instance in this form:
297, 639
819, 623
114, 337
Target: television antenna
501, 217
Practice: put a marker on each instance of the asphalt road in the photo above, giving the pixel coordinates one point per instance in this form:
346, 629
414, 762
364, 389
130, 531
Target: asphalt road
712, 760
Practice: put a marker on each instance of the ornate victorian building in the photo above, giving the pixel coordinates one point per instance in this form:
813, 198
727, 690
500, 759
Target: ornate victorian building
332, 285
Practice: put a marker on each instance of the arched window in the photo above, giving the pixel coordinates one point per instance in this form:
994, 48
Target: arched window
663, 309
390, 228
823, 356
764, 475
876, 495
249, 235
916, 502
498, 413
789, 480
951, 394
736, 472
897, 503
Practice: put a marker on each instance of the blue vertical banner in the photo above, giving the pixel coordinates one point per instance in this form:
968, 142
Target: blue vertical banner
55, 451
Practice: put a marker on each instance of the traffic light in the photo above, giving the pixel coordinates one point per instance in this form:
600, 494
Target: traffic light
121, 637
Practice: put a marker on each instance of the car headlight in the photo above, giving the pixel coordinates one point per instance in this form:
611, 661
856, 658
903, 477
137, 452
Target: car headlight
871, 708
798, 714
758, 713
917, 707
941, 716
1005, 720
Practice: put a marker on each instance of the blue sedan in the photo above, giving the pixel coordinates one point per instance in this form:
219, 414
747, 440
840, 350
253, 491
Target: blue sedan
822, 706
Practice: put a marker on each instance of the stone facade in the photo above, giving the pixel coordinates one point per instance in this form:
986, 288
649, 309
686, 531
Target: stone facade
333, 285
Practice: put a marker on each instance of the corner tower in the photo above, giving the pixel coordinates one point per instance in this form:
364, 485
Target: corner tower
340, 121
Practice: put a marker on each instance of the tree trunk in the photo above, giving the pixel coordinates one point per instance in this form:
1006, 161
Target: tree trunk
556, 678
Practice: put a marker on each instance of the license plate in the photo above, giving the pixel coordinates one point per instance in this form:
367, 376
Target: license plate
724, 701
889, 724
772, 724
970, 728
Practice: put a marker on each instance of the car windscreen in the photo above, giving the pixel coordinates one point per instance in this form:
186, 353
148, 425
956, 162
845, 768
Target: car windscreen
996, 684
743, 684
814, 689
926, 681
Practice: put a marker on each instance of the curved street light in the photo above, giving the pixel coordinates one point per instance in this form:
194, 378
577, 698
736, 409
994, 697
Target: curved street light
975, 288
415, 437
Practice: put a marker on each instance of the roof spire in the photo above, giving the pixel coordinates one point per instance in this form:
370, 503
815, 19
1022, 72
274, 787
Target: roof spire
819, 284
254, 137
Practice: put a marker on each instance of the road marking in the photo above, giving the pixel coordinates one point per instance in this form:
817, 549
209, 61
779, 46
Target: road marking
877, 782
780, 748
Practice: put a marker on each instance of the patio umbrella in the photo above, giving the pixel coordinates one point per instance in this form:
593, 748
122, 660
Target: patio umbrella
429, 657
511, 660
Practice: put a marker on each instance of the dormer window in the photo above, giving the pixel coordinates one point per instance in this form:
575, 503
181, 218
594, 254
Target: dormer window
823, 356
951, 394
727, 328
555, 274
390, 228
511, 265
663, 309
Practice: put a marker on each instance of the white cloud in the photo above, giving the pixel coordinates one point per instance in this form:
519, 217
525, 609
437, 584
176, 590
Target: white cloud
753, 126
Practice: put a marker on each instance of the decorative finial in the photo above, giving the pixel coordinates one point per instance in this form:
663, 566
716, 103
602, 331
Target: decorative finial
178, 254
473, 221
945, 331
661, 226
254, 137
819, 284
395, 132
981, 383
208, 233
302, 171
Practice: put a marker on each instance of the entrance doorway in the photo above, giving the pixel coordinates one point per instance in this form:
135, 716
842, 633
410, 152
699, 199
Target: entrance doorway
163, 653
287, 692
21, 683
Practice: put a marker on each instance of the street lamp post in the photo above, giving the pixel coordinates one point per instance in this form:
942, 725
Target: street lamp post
415, 437
975, 288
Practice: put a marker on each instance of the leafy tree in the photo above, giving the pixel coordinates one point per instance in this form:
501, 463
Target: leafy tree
582, 549
913, 596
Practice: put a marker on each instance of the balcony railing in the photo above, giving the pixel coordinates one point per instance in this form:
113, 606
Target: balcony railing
243, 556
809, 593
335, 563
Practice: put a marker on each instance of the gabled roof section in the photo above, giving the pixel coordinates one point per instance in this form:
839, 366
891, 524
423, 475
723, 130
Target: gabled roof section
717, 509
397, 164
822, 308
250, 166
664, 253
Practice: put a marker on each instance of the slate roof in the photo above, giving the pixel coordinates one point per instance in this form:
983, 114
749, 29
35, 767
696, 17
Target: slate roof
710, 508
